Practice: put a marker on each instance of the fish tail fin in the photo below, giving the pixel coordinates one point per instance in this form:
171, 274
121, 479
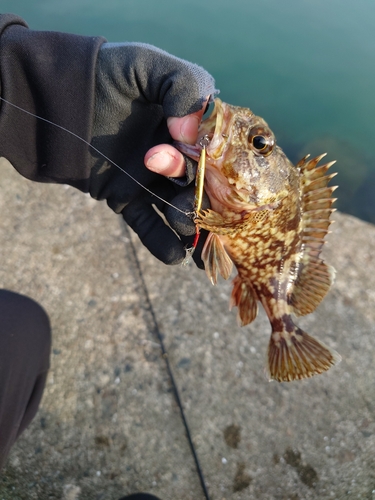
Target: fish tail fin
295, 355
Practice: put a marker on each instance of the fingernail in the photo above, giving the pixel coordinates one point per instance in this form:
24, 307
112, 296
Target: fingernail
159, 162
189, 128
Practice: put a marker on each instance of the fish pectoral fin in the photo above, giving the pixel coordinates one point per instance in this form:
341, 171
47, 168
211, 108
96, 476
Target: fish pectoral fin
296, 355
244, 297
214, 222
313, 281
215, 259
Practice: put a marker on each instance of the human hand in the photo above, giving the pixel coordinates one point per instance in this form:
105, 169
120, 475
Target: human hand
127, 100
166, 160
145, 99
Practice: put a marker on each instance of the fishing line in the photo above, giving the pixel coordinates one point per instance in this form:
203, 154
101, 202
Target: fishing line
97, 151
168, 366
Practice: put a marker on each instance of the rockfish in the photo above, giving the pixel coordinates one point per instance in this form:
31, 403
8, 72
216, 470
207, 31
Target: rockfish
268, 218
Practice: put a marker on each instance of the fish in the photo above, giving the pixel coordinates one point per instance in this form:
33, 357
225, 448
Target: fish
268, 218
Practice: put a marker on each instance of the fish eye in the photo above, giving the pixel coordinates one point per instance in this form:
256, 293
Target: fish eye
261, 140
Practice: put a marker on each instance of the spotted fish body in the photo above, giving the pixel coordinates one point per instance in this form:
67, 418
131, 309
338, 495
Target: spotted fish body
269, 218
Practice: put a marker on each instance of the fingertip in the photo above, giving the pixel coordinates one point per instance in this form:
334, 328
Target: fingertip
165, 160
189, 129
184, 129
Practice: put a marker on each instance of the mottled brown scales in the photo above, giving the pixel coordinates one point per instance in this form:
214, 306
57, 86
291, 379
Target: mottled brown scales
268, 218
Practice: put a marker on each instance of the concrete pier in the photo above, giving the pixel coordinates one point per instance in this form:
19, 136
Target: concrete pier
109, 424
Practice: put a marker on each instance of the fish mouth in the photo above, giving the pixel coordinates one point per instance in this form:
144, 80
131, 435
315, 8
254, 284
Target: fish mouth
215, 129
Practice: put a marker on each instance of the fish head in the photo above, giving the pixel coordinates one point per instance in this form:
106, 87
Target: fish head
242, 153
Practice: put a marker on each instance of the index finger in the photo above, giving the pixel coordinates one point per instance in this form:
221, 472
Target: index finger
185, 129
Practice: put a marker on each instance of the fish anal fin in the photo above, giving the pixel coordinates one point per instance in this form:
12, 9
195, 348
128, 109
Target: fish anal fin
244, 297
313, 281
296, 355
215, 259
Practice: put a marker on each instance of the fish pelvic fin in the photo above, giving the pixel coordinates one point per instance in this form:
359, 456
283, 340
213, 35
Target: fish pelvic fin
243, 297
215, 258
295, 355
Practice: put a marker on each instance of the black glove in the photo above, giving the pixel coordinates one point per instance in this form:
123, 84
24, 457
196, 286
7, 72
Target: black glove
116, 95
137, 87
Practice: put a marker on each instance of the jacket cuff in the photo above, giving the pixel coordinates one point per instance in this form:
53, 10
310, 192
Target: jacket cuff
51, 75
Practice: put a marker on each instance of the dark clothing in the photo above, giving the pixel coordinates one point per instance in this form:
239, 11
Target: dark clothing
52, 75
25, 342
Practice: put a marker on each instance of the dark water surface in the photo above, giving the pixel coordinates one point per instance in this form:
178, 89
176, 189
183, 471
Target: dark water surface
306, 66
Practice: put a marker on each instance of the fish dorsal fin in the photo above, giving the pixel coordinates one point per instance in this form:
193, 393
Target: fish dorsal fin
215, 259
243, 297
314, 277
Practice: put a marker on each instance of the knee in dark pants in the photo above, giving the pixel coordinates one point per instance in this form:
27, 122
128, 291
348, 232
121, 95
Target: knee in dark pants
24, 327
25, 342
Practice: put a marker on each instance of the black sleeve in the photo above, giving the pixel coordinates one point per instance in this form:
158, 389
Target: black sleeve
51, 75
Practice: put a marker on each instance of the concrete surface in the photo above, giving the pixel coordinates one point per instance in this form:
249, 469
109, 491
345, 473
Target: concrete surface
109, 424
